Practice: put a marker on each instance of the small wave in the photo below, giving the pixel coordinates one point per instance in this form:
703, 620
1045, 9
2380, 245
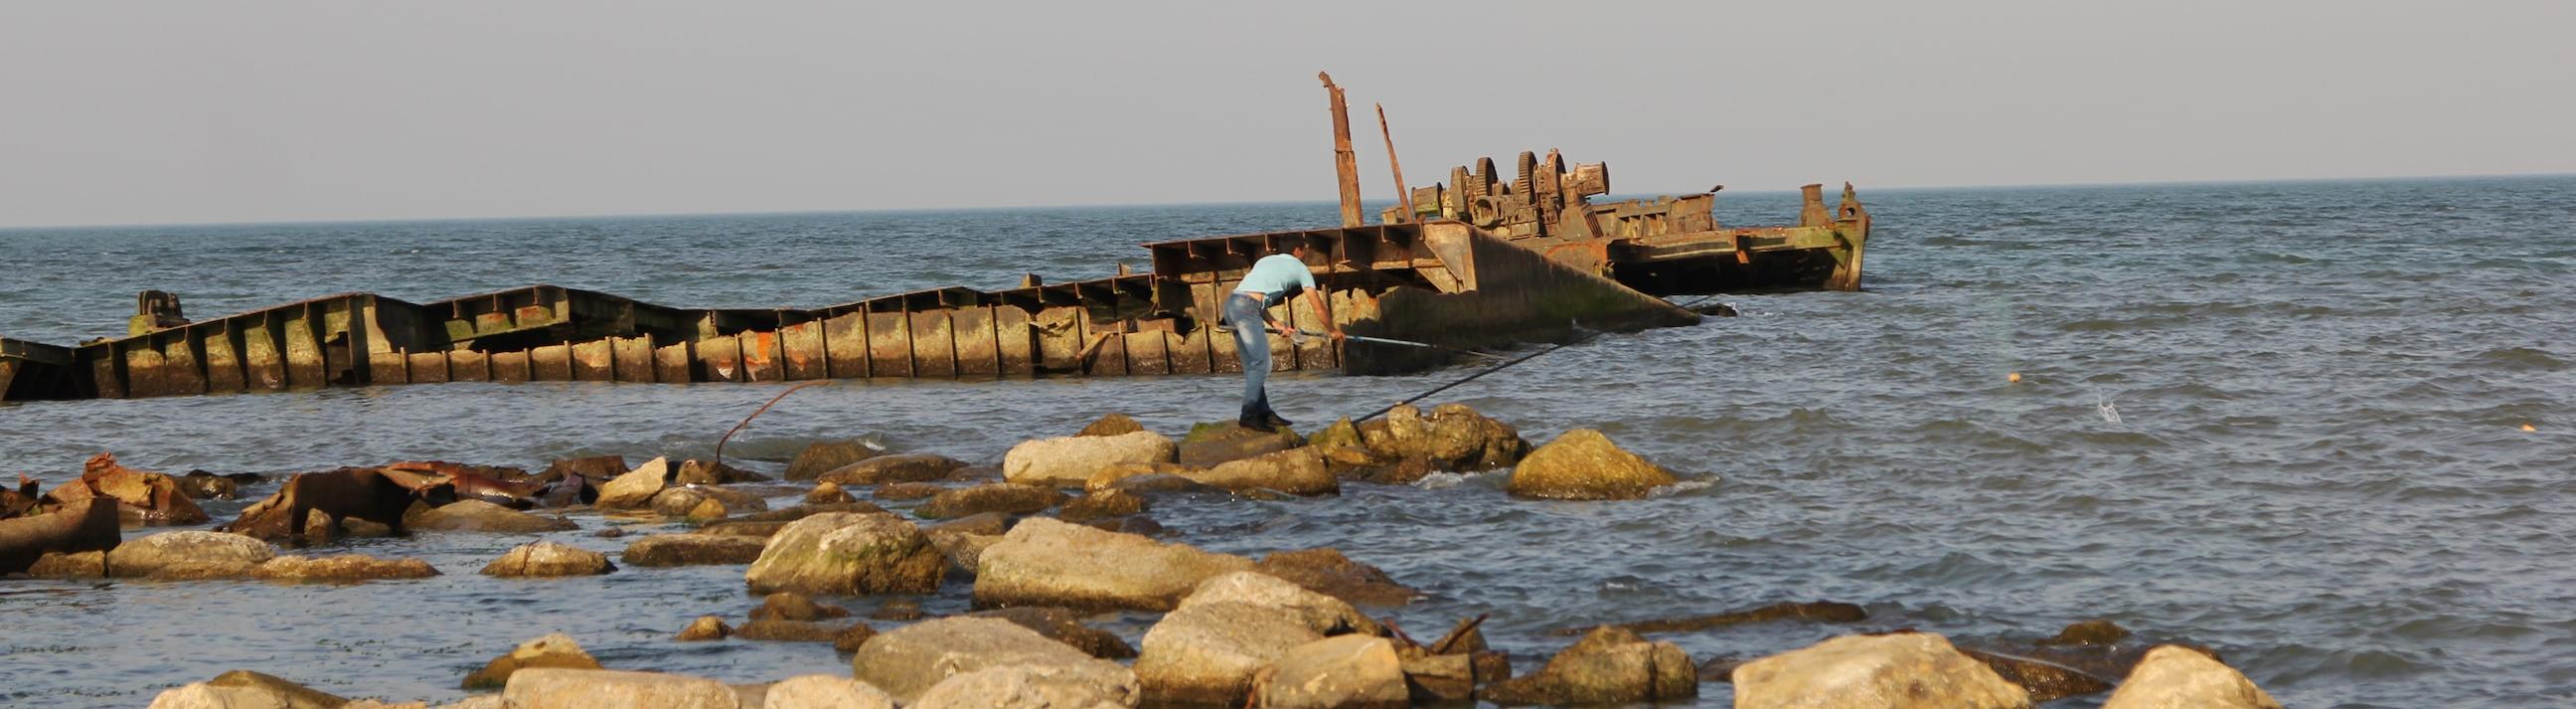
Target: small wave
1682, 487
1444, 481
2521, 359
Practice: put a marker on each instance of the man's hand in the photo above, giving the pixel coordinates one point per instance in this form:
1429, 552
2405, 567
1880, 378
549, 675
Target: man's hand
1338, 335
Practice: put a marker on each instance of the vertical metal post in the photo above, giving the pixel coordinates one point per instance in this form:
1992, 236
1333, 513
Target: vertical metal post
1402, 196
1345, 165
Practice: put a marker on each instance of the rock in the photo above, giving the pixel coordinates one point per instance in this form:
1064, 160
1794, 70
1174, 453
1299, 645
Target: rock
1341, 434
1028, 687
910, 467
798, 512
1812, 612
1452, 437
1454, 677
1064, 625
2045, 681
700, 472
2176, 677
1145, 477
906, 491
1296, 472
76, 565
1380, 471
1585, 465
824, 692
77, 527
848, 553
203, 571
487, 701
1328, 572
790, 605
545, 688
1229, 628
1006, 498
706, 627
897, 609
1224, 441
908, 661
980, 523
1898, 669
142, 557
1050, 562
480, 516
1070, 461
549, 559
552, 651
684, 501
147, 498
636, 488
827, 493
964, 551
827, 456
342, 568
1344, 672
799, 631
2090, 632
739, 528
593, 468
692, 549
202, 485
1111, 424
244, 689
1608, 665
1101, 505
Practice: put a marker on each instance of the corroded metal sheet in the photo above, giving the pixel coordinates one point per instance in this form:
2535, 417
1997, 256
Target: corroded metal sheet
428, 367
760, 357
468, 366
594, 361
550, 363
889, 345
1014, 341
263, 356
1145, 353
978, 354
720, 360
845, 345
934, 345
511, 367
632, 359
304, 358
803, 346
671, 364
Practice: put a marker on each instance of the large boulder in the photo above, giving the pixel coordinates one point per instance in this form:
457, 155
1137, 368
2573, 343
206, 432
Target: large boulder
1229, 628
1608, 665
341, 568
824, 692
549, 688
1050, 562
1297, 471
827, 456
910, 660
636, 488
1893, 670
1328, 572
849, 553
549, 559
1452, 437
1064, 625
143, 557
1111, 424
1117, 475
1032, 686
1342, 672
1005, 498
552, 651
1102, 505
1585, 465
1068, 461
693, 549
2176, 677
906, 468
481, 516
1208, 444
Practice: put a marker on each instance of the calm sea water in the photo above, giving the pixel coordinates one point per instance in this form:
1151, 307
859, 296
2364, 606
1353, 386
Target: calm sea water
2283, 420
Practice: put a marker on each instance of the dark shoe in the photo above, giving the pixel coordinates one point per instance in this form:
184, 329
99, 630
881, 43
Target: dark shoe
1275, 421
1257, 425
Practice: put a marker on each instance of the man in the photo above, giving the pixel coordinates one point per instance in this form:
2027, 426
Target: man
1273, 279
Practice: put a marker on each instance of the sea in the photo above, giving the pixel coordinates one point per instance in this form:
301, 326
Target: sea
2327, 429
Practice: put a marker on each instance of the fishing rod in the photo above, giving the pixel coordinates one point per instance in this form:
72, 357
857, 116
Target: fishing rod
1588, 335
1406, 343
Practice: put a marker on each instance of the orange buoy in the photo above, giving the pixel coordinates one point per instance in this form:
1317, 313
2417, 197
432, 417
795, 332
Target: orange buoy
2528, 428
2014, 377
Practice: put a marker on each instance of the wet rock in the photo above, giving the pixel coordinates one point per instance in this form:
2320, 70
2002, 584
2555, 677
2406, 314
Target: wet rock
341, 568
685, 501
635, 489
83, 526
1209, 444
2090, 632
827, 456
980, 523
1050, 562
243, 688
547, 688
549, 559
2173, 677
1070, 461
702, 472
824, 692
907, 491
799, 631
789, 605
609, 533
1146, 477
965, 552
1111, 424
1341, 434
741, 528
1344, 672
1064, 625
1608, 665
1812, 612
1005, 498
1229, 628
594, 468
1452, 437
909, 468
897, 609
202, 485
1325, 615
1453, 677
144, 498
1899, 669
1582, 464
692, 549
827, 493
1296, 472
2045, 681
798, 512
848, 553
1101, 505
1328, 572
76, 565
480, 516
908, 661
1024, 686
143, 557
706, 627
552, 651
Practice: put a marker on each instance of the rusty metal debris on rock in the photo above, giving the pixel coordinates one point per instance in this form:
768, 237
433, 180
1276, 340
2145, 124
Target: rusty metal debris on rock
1485, 260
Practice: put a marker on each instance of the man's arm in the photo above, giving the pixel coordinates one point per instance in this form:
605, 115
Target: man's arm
1324, 314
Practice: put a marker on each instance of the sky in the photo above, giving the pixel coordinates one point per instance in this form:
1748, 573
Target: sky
183, 111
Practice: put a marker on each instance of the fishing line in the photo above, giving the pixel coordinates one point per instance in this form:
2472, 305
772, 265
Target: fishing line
1588, 336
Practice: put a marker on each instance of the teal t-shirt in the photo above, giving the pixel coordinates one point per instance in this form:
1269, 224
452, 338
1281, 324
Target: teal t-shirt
1274, 274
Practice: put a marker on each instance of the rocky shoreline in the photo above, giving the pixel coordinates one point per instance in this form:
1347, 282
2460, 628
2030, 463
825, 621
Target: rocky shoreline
1059, 531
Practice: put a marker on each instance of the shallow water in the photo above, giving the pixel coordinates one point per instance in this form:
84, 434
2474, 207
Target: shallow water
2316, 466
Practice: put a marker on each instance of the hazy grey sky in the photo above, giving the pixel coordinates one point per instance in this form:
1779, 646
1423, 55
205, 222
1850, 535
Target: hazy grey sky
189, 111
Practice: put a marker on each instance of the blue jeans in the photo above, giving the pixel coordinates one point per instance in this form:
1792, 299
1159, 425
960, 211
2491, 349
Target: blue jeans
1252, 347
